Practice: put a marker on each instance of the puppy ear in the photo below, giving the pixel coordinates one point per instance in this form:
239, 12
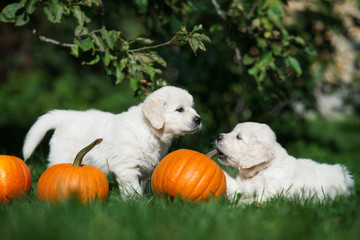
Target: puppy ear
154, 109
259, 152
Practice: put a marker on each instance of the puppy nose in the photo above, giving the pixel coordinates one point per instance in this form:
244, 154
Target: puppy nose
197, 120
220, 137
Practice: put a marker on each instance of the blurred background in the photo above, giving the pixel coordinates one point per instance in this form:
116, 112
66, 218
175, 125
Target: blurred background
317, 109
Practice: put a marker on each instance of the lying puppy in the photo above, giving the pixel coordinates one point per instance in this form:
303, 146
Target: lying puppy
133, 141
266, 170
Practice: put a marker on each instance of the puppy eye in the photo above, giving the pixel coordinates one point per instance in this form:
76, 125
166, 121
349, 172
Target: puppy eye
180, 109
238, 137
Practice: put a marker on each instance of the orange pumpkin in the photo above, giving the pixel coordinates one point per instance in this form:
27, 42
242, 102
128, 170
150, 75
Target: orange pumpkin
188, 174
65, 180
15, 178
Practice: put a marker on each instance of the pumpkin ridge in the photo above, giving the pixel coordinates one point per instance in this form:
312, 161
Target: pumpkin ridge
23, 187
15, 178
5, 179
184, 166
21, 175
216, 178
199, 182
63, 181
51, 189
219, 183
84, 179
187, 193
10, 177
25, 173
101, 186
188, 174
3, 188
47, 191
104, 184
162, 169
61, 185
222, 182
97, 185
207, 186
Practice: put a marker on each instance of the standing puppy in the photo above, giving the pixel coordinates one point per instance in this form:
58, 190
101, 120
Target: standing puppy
134, 141
266, 169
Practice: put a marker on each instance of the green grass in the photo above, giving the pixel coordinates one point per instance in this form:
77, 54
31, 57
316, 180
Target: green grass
149, 217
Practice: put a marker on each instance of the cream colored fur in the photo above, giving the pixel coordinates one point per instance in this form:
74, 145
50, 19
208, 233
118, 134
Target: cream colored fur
133, 141
266, 170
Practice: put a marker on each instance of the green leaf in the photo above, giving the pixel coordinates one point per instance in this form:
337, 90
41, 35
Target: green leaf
285, 36
265, 59
201, 37
22, 19
80, 31
107, 58
142, 5
261, 43
123, 63
142, 41
294, 63
75, 50
181, 37
277, 50
93, 61
9, 12
85, 44
78, 14
247, 60
253, 71
134, 83
119, 76
54, 11
267, 35
155, 56
298, 40
275, 18
111, 37
202, 46
150, 71
196, 28
194, 44
143, 58
256, 23
98, 42
30, 6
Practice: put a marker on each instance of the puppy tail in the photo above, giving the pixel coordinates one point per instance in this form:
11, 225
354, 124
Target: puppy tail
38, 131
347, 180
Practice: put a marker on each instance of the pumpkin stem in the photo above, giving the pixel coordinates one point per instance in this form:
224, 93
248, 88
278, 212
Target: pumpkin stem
213, 154
79, 157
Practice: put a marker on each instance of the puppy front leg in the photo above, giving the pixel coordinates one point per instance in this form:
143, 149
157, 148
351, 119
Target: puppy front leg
129, 183
232, 186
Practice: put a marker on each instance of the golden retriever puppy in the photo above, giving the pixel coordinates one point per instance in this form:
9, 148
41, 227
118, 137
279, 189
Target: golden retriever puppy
133, 141
266, 169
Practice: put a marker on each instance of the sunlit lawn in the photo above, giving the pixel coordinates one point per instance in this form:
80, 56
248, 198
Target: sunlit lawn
150, 217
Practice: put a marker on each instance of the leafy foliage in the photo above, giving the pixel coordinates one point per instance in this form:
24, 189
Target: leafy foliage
120, 60
273, 46
269, 45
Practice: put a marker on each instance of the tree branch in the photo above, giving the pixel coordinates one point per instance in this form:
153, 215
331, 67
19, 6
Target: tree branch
218, 10
222, 15
52, 41
154, 46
